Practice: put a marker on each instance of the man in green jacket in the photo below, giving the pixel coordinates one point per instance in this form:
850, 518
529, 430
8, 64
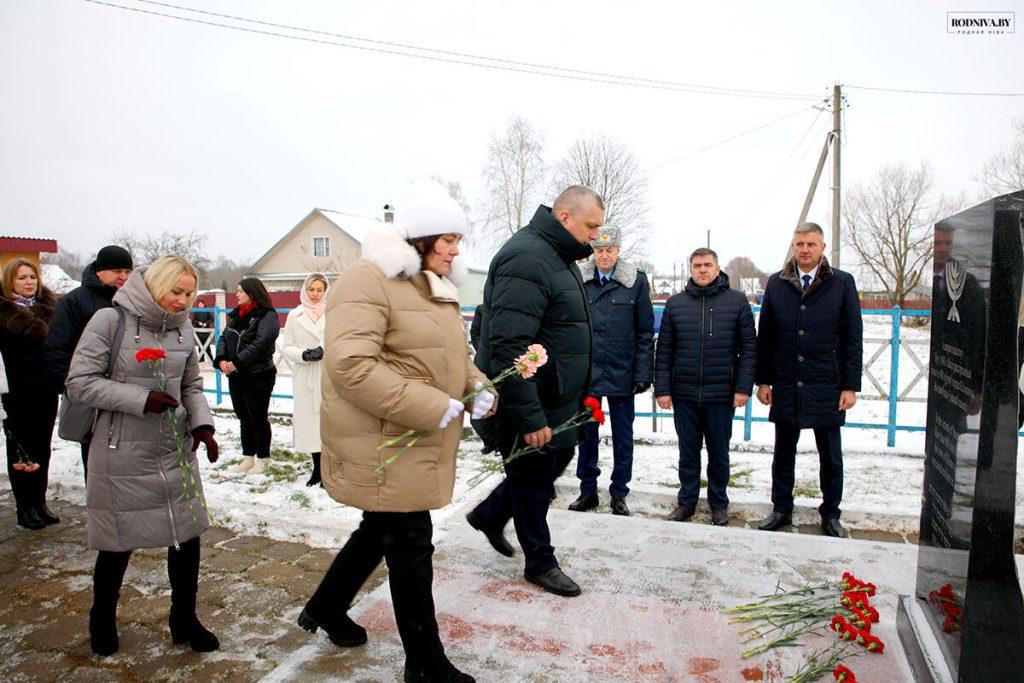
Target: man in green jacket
534, 295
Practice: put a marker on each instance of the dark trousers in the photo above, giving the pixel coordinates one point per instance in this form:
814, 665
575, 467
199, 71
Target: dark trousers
85, 460
182, 571
830, 457
622, 410
250, 396
524, 496
29, 426
697, 424
403, 540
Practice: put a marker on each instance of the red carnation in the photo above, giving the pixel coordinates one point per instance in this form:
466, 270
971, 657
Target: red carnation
838, 623
591, 403
849, 632
843, 674
154, 355
872, 612
598, 416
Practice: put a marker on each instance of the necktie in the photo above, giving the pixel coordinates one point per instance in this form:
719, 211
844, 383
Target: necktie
604, 280
807, 281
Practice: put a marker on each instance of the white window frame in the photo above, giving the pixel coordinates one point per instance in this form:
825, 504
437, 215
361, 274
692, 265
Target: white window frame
327, 246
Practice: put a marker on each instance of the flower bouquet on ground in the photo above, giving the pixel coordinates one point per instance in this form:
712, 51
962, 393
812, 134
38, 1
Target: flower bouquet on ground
151, 358
526, 366
951, 605
591, 413
784, 617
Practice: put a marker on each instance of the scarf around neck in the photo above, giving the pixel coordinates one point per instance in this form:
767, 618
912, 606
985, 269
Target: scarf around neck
25, 302
314, 311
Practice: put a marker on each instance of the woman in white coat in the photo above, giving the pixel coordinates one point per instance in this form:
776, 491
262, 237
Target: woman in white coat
303, 347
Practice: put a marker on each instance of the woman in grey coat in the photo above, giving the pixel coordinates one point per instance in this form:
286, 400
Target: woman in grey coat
141, 492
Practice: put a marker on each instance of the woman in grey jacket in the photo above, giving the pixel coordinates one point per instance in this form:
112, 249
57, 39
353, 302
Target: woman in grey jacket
143, 490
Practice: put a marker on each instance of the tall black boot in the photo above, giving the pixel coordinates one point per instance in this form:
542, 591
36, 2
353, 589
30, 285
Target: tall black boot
314, 478
106, 590
356, 560
183, 571
408, 552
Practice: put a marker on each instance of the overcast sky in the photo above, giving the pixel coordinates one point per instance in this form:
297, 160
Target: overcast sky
111, 119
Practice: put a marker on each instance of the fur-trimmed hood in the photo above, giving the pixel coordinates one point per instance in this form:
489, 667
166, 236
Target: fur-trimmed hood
33, 322
384, 248
625, 271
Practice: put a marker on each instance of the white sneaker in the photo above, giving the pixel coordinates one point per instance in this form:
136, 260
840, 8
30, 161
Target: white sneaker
245, 464
259, 467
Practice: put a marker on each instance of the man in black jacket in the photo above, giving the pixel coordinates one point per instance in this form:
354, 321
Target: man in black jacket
534, 295
100, 281
809, 354
622, 318
704, 372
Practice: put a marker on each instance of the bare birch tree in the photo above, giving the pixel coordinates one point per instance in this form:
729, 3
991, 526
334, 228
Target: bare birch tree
147, 248
1004, 170
514, 180
888, 224
611, 169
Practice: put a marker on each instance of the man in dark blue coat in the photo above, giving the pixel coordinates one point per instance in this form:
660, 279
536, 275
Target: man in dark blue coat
809, 356
100, 281
622, 317
534, 294
704, 372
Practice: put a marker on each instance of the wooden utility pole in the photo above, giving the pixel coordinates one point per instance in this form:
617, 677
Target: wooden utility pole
709, 238
837, 108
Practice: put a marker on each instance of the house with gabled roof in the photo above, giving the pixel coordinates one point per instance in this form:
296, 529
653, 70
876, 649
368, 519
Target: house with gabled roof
328, 241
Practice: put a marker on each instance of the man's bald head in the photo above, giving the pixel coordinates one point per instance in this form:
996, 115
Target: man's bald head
580, 210
575, 198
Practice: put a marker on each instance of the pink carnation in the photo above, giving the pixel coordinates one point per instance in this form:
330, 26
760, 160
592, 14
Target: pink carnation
537, 353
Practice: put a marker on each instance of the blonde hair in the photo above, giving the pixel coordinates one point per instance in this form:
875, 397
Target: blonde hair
163, 274
11, 270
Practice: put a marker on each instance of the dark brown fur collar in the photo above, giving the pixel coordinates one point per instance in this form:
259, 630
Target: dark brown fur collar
789, 274
29, 322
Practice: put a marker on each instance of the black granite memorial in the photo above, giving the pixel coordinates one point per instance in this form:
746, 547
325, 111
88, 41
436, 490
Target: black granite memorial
966, 619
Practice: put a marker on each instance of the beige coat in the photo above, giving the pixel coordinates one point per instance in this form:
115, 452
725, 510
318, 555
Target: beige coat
394, 352
301, 333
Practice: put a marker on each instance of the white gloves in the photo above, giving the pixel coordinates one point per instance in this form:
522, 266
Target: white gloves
455, 408
482, 404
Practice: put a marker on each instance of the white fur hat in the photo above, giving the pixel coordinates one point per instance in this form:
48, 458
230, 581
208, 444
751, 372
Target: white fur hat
429, 210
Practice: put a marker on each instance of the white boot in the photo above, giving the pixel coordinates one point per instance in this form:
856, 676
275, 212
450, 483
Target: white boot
259, 467
247, 462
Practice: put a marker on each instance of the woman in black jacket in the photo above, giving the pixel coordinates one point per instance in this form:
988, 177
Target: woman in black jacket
31, 404
245, 353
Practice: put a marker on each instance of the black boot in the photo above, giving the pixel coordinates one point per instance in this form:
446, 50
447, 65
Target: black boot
29, 519
46, 515
436, 670
341, 630
183, 571
314, 478
106, 590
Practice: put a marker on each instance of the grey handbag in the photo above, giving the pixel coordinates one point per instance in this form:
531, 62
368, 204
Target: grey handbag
77, 420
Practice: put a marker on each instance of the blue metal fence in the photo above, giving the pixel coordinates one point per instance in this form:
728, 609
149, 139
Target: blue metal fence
891, 395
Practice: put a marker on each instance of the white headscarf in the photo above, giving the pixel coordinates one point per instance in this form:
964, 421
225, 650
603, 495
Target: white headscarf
314, 311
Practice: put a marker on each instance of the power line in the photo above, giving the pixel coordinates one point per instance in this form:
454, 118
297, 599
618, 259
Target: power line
730, 139
450, 57
961, 93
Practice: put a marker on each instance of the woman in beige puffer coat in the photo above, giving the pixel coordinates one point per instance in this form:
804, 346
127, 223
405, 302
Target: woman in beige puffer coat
396, 359
135, 495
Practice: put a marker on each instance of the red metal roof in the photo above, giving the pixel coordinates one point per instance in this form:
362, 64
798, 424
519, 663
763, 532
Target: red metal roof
45, 246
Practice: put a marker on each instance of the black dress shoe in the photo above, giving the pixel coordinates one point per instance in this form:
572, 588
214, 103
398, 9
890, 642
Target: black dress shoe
720, 517
343, 632
586, 501
440, 670
776, 520
681, 514
30, 519
832, 527
619, 507
46, 515
555, 581
495, 538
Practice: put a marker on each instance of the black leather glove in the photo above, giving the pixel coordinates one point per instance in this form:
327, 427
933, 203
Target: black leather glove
159, 401
641, 387
204, 435
313, 354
